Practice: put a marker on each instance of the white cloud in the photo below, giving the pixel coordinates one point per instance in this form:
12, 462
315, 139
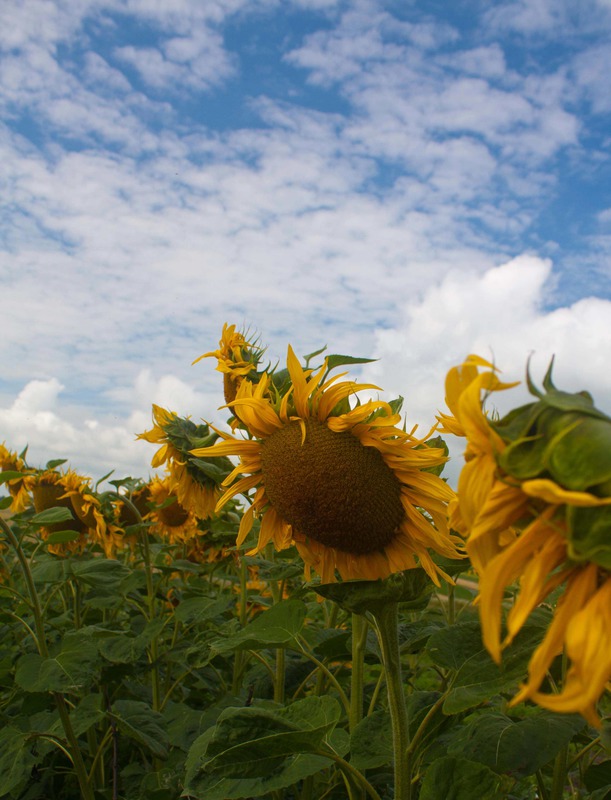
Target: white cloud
499, 314
135, 229
53, 428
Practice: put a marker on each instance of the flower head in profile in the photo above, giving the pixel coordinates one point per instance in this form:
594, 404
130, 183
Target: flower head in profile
354, 492
194, 481
19, 487
238, 357
534, 503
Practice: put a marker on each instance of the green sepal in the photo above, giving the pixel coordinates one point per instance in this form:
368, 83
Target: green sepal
590, 534
336, 360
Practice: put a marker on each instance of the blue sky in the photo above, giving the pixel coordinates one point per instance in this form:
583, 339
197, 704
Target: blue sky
403, 181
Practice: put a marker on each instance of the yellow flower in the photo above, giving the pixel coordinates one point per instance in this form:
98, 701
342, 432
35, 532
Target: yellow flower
237, 357
190, 481
345, 485
485, 507
72, 491
523, 529
171, 520
19, 488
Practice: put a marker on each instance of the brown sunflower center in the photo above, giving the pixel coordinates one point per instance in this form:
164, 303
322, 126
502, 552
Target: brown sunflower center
173, 515
332, 488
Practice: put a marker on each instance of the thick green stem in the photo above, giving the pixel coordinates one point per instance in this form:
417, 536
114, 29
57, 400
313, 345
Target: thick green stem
280, 677
238, 659
359, 638
560, 763
150, 599
41, 641
387, 619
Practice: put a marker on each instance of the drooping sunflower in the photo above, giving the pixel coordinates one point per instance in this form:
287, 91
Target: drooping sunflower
70, 490
194, 482
345, 484
534, 503
20, 487
238, 356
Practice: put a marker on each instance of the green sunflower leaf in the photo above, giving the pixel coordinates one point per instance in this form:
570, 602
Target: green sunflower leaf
10, 475
460, 779
253, 741
276, 627
59, 537
51, 516
518, 748
100, 573
16, 760
139, 722
73, 668
411, 587
598, 776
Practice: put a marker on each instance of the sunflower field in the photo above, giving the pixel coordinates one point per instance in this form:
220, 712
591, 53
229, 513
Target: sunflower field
298, 606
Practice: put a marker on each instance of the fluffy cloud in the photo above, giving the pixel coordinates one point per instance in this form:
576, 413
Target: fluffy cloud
500, 314
52, 427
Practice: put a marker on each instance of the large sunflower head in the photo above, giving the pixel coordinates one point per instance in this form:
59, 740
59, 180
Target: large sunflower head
354, 492
540, 513
238, 357
20, 486
194, 480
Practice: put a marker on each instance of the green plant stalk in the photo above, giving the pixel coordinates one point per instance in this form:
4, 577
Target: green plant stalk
280, 676
387, 619
238, 658
359, 639
324, 669
41, 641
150, 597
351, 772
560, 762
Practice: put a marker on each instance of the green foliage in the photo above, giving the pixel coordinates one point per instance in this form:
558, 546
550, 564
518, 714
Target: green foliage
173, 677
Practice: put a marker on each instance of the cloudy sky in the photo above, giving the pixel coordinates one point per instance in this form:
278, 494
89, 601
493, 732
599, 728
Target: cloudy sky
400, 180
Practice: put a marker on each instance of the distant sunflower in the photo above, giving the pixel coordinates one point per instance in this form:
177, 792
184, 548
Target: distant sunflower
72, 491
238, 356
19, 487
170, 519
194, 483
346, 485
522, 522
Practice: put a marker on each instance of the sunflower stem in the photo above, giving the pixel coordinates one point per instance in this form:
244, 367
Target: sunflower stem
387, 620
280, 679
238, 660
560, 762
359, 638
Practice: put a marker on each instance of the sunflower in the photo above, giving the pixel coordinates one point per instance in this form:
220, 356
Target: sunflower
238, 356
70, 490
527, 515
194, 482
171, 521
19, 487
347, 486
